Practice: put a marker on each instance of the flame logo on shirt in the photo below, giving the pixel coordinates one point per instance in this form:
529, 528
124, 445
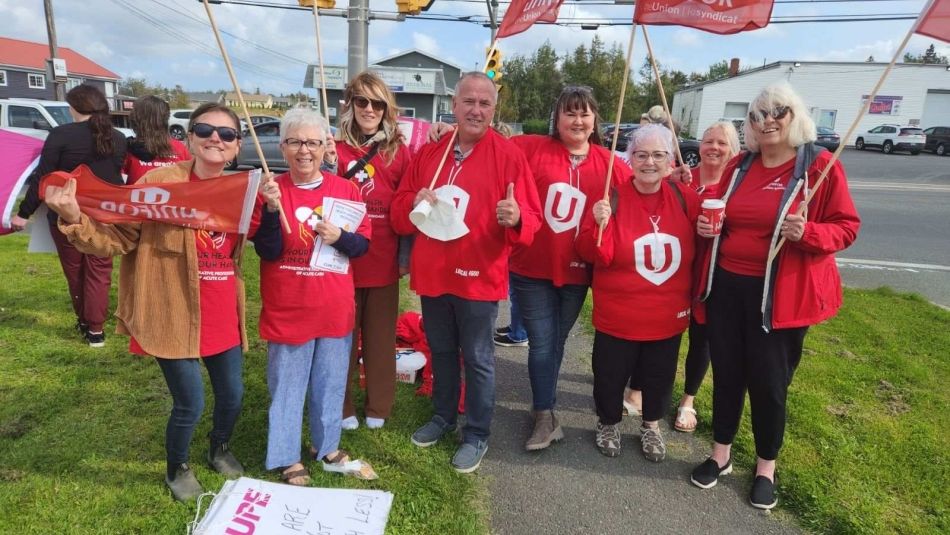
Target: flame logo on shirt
214, 239
308, 219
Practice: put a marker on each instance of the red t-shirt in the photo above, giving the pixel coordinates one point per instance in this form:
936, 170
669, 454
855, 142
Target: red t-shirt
135, 168
710, 191
643, 268
377, 183
565, 193
298, 303
751, 212
474, 266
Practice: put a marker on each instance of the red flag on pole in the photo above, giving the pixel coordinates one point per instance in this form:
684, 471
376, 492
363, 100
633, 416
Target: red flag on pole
716, 16
222, 204
934, 20
522, 14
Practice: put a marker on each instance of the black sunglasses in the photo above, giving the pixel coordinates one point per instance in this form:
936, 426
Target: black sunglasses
360, 101
226, 133
778, 113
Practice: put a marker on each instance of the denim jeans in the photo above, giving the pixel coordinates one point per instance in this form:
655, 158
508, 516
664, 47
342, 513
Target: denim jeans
549, 313
452, 324
517, 332
183, 377
314, 371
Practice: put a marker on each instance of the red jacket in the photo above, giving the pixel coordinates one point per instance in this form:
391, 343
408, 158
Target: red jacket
802, 284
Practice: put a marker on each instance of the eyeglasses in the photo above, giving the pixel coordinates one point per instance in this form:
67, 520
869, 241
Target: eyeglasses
641, 156
204, 130
296, 144
778, 113
360, 101
584, 89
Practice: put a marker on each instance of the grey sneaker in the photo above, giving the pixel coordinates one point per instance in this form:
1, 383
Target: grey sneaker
224, 462
469, 456
185, 486
608, 439
431, 432
546, 430
651, 441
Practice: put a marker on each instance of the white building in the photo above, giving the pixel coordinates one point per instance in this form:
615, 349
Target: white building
912, 94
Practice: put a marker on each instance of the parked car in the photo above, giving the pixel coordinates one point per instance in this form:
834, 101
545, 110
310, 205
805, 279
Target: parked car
37, 117
178, 123
268, 134
828, 139
689, 148
891, 137
938, 140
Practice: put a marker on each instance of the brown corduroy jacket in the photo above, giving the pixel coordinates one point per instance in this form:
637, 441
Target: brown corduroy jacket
159, 302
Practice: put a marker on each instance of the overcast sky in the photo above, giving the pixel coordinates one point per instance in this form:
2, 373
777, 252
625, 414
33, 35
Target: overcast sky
170, 41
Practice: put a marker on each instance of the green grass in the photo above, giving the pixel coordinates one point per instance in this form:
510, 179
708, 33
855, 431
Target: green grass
81, 430
867, 447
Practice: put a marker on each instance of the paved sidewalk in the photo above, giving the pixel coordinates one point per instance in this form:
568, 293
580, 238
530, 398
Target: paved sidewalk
571, 488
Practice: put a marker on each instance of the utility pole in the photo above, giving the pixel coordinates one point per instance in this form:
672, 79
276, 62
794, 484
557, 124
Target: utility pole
358, 18
493, 17
58, 88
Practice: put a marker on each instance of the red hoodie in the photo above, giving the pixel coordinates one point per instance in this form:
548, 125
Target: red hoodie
567, 193
474, 266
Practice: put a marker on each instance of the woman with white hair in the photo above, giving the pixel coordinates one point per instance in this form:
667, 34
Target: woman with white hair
307, 315
646, 258
760, 305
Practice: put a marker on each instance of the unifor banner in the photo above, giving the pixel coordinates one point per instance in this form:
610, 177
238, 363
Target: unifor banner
522, 14
716, 16
221, 204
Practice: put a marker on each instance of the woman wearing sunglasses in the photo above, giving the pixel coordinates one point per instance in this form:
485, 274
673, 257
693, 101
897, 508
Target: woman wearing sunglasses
759, 305
373, 156
181, 295
642, 285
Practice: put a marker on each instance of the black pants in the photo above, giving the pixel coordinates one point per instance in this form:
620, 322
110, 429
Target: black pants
744, 357
697, 360
615, 360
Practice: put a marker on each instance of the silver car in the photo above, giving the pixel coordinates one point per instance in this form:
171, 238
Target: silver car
268, 134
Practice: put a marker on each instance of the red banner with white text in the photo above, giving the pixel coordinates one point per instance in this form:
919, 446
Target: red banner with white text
716, 16
522, 14
222, 204
934, 20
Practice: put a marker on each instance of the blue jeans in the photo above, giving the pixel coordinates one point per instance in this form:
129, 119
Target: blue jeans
549, 313
315, 372
517, 332
452, 324
183, 377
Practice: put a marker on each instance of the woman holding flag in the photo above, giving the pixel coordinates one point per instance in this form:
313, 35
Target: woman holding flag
760, 304
373, 155
181, 294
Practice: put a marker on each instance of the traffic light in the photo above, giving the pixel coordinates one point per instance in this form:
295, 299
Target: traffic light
322, 4
413, 7
493, 66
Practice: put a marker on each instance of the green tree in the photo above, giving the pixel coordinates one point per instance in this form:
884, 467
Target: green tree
929, 56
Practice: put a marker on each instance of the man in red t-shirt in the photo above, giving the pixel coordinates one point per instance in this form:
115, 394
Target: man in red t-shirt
460, 281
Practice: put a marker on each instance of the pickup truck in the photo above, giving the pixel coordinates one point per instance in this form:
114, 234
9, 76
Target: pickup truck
37, 117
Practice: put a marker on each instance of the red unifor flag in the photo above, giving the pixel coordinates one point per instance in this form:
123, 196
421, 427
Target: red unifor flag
222, 204
716, 16
522, 14
934, 20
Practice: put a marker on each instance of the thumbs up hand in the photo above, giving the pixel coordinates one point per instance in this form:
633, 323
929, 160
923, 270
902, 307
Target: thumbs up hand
509, 215
62, 200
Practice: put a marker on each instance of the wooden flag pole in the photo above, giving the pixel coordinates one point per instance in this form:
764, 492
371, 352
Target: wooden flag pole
323, 80
613, 143
854, 125
448, 148
247, 115
659, 85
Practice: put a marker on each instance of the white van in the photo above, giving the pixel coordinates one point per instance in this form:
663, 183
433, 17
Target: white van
37, 117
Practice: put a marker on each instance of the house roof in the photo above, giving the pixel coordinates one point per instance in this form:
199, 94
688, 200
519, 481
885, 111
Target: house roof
248, 97
416, 51
30, 55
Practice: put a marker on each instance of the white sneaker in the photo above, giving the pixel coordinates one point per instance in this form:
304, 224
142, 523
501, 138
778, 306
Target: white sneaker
375, 423
351, 423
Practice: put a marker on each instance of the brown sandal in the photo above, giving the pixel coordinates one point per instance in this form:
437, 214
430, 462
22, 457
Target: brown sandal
297, 478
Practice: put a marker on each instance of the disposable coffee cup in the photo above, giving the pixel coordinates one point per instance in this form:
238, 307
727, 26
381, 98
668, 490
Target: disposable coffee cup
419, 214
714, 210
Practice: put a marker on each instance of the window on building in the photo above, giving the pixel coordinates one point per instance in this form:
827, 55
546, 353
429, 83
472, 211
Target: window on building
36, 81
827, 118
24, 117
3, 78
407, 112
73, 82
735, 110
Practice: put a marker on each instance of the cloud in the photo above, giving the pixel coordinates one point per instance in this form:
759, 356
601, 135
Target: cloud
684, 37
425, 43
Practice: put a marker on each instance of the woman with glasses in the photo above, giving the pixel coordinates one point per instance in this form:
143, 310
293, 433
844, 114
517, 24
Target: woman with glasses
90, 140
181, 295
372, 155
760, 304
642, 287
307, 314
152, 146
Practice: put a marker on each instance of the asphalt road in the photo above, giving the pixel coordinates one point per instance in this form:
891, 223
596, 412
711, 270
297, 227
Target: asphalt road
904, 203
